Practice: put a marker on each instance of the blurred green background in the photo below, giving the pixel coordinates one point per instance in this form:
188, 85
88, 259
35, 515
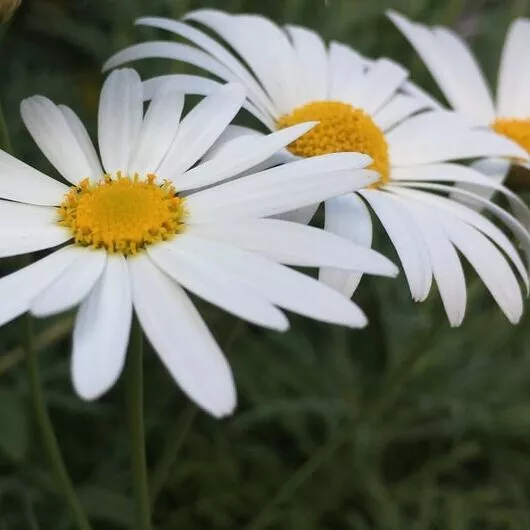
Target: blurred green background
406, 425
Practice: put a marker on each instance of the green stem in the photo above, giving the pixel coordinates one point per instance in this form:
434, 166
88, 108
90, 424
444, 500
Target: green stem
393, 384
48, 435
5, 141
135, 406
174, 442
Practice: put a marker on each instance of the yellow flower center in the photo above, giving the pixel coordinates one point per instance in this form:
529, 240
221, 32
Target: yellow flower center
342, 128
122, 214
516, 130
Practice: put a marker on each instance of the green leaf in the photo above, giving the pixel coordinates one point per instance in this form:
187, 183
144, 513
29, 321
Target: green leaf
14, 426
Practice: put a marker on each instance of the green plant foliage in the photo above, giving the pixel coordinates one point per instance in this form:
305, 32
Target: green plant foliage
331, 433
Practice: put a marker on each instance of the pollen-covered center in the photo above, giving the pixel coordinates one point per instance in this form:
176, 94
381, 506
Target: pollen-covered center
122, 214
516, 130
341, 128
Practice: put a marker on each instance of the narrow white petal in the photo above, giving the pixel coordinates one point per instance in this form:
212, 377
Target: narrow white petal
300, 215
451, 63
20, 182
273, 64
188, 260
52, 133
240, 154
101, 331
17, 290
72, 287
346, 71
217, 51
518, 228
79, 130
181, 339
346, 217
199, 130
285, 287
380, 82
446, 267
170, 50
513, 87
398, 109
297, 244
435, 147
468, 215
158, 131
283, 188
120, 118
407, 240
490, 265
312, 57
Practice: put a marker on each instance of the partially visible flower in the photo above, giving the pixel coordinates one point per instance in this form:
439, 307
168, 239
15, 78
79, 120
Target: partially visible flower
7, 9
453, 66
138, 229
291, 77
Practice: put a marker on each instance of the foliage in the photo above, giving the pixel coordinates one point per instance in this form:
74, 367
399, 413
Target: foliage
331, 432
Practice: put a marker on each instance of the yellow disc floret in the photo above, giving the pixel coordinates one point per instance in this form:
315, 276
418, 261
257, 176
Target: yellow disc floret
122, 214
515, 129
341, 128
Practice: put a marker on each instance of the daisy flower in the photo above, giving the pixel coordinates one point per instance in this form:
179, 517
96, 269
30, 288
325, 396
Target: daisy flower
451, 63
136, 231
291, 77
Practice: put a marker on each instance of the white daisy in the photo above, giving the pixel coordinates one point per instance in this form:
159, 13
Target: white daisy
291, 77
451, 63
137, 234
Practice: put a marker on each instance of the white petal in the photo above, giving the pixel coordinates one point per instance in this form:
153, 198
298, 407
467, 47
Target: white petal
346, 71
380, 83
312, 57
287, 288
445, 263
398, 109
72, 287
17, 290
188, 260
101, 331
158, 131
347, 217
20, 182
273, 64
513, 99
200, 128
51, 132
519, 230
297, 244
120, 118
181, 339
452, 65
81, 134
412, 89
217, 51
490, 265
471, 217
283, 188
241, 154
300, 215
496, 169
407, 241
170, 50
436, 146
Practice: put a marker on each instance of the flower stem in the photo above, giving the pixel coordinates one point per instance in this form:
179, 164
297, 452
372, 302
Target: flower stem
48, 435
135, 406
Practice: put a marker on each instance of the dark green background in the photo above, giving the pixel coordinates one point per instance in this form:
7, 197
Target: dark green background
406, 425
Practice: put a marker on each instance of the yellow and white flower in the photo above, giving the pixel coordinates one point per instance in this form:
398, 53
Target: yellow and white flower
136, 229
291, 77
453, 66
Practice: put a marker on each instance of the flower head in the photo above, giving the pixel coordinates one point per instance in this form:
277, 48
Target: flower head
292, 76
154, 218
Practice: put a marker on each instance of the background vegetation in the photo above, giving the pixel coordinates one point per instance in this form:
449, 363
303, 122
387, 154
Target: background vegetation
406, 425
